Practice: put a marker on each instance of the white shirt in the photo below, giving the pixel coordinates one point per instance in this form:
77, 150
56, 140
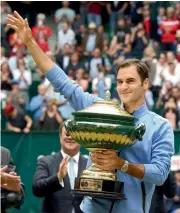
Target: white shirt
157, 79
66, 38
76, 162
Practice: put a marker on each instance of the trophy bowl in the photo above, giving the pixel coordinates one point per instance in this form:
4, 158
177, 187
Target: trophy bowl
104, 125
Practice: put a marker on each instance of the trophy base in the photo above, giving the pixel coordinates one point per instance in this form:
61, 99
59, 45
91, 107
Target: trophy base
98, 188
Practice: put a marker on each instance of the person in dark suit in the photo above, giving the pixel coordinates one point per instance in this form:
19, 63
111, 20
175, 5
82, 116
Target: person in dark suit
12, 190
54, 177
168, 189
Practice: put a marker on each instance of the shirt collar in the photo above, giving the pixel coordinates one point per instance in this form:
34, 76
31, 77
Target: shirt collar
143, 109
75, 157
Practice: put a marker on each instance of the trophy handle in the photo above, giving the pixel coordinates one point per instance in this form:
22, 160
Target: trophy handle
139, 131
67, 125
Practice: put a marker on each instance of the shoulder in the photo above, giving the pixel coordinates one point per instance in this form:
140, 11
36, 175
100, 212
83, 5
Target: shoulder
84, 158
161, 125
49, 158
4, 151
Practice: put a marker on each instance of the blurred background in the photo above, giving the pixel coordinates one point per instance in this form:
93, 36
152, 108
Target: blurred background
86, 39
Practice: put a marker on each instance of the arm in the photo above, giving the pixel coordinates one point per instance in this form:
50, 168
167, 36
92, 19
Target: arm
35, 104
55, 75
29, 121
169, 186
124, 7
156, 171
13, 128
43, 183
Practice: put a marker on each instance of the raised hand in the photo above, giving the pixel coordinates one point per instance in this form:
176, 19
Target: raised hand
21, 27
62, 169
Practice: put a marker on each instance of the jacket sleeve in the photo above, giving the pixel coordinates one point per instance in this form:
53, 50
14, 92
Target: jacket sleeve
74, 93
157, 170
10, 163
43, 183
169, 187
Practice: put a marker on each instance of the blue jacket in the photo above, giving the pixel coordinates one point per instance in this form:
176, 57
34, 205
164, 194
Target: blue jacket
154, 151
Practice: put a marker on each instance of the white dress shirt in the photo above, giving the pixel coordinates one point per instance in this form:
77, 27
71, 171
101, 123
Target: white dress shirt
76, 162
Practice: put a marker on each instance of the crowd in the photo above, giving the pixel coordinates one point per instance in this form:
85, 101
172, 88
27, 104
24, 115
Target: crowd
87, 49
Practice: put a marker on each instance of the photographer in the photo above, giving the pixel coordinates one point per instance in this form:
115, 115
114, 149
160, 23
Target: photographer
12, 190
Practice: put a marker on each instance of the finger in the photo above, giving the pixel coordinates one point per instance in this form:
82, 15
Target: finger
12, 27
4, 169
102, 167
16, 21
18, 16
26, 23
13, 173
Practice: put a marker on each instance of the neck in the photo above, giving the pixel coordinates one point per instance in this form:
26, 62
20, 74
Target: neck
71, 153
130, 107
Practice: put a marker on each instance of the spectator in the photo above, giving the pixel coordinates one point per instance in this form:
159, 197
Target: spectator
100, 84
40, 26
17, 121
42, 41
139, 40
80, 35
65, 36
11, 185
161, 67
177, 45
97, 63
81, 79
6, 77
169, 27
63, 58
171, 75
55, 174
37, 104
74, 64
3, 55
94, 12
64, 14
160, 18
17, 97
13, 59
171, 115
115, 9
50, 119
76, 24
168, 189
22, 74
91, 41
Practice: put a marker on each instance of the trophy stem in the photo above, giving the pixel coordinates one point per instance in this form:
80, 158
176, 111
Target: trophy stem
96, 173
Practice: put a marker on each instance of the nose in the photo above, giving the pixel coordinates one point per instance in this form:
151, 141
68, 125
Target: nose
124, 86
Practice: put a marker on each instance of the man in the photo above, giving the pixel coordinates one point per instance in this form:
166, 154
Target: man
141, 166
37, 104
17, 121
11, 186
168, 189
51, 180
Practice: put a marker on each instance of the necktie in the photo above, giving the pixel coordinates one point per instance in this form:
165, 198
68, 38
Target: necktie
72, 174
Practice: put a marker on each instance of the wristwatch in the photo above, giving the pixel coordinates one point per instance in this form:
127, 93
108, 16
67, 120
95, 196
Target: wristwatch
125, 166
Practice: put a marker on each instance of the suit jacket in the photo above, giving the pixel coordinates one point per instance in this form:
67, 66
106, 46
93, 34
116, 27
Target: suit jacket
6, 159
57, 199
168, 189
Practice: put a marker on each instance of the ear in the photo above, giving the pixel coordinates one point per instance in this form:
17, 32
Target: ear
146, 84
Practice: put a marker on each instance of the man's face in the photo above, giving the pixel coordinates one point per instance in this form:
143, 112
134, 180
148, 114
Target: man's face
129, 85
67, 143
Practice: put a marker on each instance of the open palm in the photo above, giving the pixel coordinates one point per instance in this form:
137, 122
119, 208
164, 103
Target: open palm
21, 26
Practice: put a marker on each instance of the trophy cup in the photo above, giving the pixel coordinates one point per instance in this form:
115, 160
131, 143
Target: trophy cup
104, 125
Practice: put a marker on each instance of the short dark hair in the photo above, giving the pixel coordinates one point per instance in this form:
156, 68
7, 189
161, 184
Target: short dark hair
60, 128
141, 67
